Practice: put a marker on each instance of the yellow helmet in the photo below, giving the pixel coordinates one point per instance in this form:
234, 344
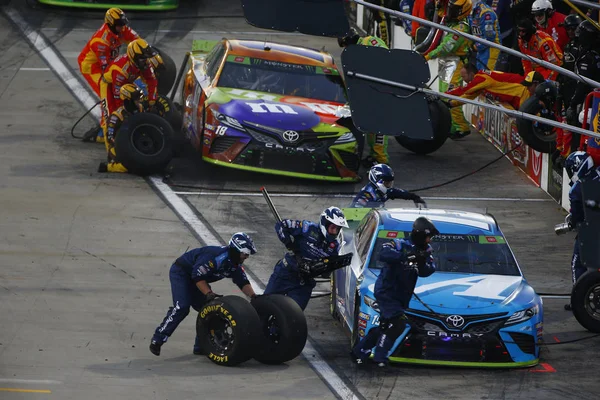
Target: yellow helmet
459, 9
132, 97
115, 17
138, 52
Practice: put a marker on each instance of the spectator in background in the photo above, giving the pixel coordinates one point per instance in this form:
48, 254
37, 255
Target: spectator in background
549, 21
484, 24
538, 44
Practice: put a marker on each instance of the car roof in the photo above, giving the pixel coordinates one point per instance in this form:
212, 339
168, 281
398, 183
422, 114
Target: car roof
446, 221
280, 52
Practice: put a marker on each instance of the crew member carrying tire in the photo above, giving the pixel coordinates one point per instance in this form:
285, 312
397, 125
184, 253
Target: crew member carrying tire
191, 275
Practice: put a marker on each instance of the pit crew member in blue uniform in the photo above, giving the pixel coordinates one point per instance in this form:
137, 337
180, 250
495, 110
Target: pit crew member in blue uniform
405, 260
306, 241
579, 165
379, 189
191, 275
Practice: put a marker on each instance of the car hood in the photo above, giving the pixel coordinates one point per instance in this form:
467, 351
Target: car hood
445, 292
259, 109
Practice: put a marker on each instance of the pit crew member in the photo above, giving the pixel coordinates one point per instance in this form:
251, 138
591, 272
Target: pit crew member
405, 260
306, 241
378, 144
133, 102
191, 275
126, 69
379, 189
538, 44
550, 21
484, 24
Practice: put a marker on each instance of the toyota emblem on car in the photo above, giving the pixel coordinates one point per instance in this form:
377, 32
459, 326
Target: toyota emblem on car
456, 321
291, 136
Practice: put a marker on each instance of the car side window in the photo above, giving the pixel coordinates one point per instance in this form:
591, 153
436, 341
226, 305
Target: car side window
364, 235
213, 60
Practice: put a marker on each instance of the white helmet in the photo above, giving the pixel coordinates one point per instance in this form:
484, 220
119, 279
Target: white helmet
332, 216
541, 5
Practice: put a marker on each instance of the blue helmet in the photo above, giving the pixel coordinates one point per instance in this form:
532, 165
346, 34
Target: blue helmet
379, 174
242, 243
335, 216
578, 164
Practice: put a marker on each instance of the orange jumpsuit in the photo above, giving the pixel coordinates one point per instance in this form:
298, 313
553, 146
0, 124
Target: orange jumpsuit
100, 51
541, 46
120, 72
499, 86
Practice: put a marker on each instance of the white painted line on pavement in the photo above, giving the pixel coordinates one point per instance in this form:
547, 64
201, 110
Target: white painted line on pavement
47, 53
31, 381
320, 366
234, 194
33, 69
315, 359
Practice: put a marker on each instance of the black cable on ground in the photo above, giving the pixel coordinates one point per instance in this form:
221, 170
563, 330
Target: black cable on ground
470, 173
82, 117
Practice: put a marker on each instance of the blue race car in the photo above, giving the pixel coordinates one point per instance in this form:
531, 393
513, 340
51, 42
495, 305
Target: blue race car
476, 310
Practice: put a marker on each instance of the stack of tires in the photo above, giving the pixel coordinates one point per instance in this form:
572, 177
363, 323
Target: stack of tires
271, 329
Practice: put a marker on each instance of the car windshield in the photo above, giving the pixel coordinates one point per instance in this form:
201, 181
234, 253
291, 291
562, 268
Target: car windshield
467, 254
282, 78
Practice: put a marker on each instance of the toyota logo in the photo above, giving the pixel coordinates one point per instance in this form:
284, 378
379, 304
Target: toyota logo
456, 321
291, 136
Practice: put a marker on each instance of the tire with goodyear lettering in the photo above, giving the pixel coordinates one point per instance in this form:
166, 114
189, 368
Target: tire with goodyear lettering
441, 122
585, 301
229, 330
143, 144
166, 73
538, 139
283, 326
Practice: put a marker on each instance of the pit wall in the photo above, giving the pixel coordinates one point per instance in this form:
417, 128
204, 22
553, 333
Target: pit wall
496, 127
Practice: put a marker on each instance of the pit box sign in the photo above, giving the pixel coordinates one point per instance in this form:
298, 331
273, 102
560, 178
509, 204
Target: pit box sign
501, 130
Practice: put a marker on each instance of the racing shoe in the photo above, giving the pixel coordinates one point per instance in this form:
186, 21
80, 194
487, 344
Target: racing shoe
155, 347
91, 135
568, 307
368, 161
103, 167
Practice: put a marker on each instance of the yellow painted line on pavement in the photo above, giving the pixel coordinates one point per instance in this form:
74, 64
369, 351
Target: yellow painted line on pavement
24, 390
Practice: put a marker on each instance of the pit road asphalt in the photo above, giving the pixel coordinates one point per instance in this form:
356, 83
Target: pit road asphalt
85, 256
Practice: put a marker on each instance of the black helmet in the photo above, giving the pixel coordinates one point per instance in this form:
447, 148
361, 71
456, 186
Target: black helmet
422, 229
572, 21
351, 38
587, 34
547, 92
525, 28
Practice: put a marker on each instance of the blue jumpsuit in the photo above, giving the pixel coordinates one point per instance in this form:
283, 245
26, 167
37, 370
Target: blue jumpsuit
577, 217
306, 241
210, 264
484, 24
394, 288
371, 196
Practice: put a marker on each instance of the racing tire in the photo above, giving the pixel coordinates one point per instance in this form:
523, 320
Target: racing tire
165, 73
143, 144
531, 135
283, 326
441, 121
169, 112
585, 301
228, 328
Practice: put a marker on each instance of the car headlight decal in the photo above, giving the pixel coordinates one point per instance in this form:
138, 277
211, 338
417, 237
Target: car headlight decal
523, 315
227, 120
